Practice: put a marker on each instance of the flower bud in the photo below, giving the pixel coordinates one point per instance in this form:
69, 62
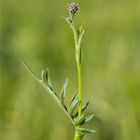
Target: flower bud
73, 8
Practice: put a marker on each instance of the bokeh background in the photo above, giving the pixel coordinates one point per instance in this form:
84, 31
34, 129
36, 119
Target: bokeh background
36, 31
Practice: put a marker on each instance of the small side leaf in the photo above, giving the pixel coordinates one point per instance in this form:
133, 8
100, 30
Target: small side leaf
83, 109
89, 117
45, 77
83, 119
63, 92
85, 130
72, 106
80, 121
73, 98
42, 76
47, 84
85, 106
81, 30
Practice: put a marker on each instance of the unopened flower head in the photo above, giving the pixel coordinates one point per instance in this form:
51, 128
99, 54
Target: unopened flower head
73, 8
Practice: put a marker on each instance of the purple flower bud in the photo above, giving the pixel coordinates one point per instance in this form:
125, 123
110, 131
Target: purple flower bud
73, 8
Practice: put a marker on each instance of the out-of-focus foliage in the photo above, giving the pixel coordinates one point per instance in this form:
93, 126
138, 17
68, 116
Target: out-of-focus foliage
34, 30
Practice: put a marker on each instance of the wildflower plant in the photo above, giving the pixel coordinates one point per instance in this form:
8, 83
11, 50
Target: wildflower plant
78, 119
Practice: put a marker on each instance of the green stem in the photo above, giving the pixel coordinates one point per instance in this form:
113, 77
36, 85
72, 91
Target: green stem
78, 62
77, 136
79, 83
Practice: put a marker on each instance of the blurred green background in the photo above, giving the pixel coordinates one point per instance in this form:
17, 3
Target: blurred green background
34, 30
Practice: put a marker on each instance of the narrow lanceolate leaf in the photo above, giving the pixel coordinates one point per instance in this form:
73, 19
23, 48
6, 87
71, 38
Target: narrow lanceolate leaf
47, 84
73, 106
80, 121
83, 109
85, 130
89, 117
83, 119
63, 92
80, 30
85, 106
45, 77
73, 98
80, 36
42, 76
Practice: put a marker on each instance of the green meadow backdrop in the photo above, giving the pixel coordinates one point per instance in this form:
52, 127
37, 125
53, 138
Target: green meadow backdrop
36, 31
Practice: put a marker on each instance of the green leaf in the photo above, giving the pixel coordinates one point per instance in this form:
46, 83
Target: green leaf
47, 84
85, 130
42, 76
80, 121
83, 119
81, 30
63, 92
89, 117
45, 77
30, 71
85, 106
73, 98
72, 106
83, 109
